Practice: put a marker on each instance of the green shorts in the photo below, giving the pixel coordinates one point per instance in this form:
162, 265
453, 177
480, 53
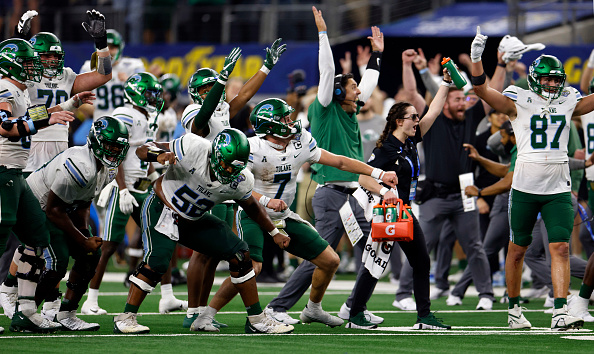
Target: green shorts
208, 235
114, 228
61, 248
305, 240
20, 211
224, 211
556, 211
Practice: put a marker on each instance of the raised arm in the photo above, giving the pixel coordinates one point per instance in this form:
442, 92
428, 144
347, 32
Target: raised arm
371, 75
426, 76
409, 83
437, 104
325, 61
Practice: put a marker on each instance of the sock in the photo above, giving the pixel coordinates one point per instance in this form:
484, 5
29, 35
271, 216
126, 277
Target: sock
514, 301
314, 305
68, 305
201, 309
209, 313
294, 262
93, 295
559, 302
11, 280
254, 309
167, 291
192, 311
131, 308
585, 291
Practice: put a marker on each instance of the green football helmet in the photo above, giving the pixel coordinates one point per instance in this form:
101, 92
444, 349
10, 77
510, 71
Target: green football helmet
546, 66
171, 84
202, 77
108, 140
267, 116
115, 38
48, 43
144, 90
19, 61
232, 148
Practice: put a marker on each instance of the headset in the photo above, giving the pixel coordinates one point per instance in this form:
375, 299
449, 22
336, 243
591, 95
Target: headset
339, 92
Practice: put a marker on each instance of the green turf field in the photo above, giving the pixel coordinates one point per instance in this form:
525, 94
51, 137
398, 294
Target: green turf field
473, 331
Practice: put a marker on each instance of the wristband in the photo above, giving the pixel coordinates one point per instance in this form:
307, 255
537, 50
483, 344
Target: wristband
33, 130
375, 61
264, 69
152, 153
479, 193
322, 32
69, 104
274, 232
377, 173
478, 80
501, 64
264, 200
103, 50
41, 123
383, 191
424, 70
446, 83
153, 176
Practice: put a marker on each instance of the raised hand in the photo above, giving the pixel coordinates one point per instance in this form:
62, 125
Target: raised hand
229, 64
320, 23
273, 53
363, 55
95, 27
478, 46
376, 39
408, 56
420, 61
346, 63
24, 24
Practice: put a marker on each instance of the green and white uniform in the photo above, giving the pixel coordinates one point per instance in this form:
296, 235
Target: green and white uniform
275, 174
111, 95
541, 181
74, 177
52, 140
141, 130
189, 189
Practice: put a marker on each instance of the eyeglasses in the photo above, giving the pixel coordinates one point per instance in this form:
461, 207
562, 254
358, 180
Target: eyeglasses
412, 116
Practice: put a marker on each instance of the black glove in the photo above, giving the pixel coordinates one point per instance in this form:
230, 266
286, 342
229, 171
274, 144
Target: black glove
95, 27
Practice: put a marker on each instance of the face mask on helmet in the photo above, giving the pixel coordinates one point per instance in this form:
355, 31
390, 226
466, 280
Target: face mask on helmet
171, 84
144, 90
19, 61
49, 49
272, 116
201, 78
546, 66
108, 140
229, 155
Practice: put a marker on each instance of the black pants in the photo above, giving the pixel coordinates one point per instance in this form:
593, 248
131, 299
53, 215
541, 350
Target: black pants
418, 258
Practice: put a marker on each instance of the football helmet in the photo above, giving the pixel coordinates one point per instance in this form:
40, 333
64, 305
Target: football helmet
115, 38
546, 66
108, 140
267, 116
19, 61
48, 43
202, 77
171, 84
232, 148
144, 90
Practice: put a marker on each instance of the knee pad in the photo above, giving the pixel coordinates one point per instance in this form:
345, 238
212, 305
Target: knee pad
30, 262
241, 263
154, 278
46, 289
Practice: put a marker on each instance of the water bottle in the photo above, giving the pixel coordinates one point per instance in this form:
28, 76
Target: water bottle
378, 213
458, 79
391, 213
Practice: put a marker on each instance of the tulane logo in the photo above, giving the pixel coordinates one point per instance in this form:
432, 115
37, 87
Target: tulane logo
9, 48
266, 110
226, 139
33, 40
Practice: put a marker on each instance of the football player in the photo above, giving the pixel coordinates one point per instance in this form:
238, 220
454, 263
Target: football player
65, 187
201, 174
20, 66
276, 155
168, 118
206, 117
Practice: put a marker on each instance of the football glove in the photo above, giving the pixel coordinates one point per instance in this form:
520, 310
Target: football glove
127, 202
24, 24
273, 53
229, 64
95, 27
478, 46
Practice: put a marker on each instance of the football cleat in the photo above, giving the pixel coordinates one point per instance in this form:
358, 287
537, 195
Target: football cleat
50, 309
485, 304
189, 320
92, 308
454, 300
515, 318
579, 308
1, 330
281, 317
345, 313
438, 293
430, 322
562, 321
32, 324
318, 315
8, 299
360, 322
264, 324
70, 322
172, 304
406, 304
203, 324
126, 323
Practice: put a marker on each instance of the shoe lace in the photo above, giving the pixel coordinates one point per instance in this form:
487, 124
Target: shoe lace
431, 317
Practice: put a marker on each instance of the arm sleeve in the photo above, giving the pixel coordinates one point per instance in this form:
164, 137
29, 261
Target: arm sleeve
494, 144
210, 104
429, 82
368, 84
576, 164
326, 65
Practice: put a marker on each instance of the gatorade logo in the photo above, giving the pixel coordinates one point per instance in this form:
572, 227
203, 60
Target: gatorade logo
390, 230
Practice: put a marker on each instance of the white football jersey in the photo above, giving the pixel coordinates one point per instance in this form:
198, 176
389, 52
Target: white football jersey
111, 95
275, 172
52, 92
140, 131
167, 122
14, 154
187, 184
588, 128
72, 175
217, 122
542, 135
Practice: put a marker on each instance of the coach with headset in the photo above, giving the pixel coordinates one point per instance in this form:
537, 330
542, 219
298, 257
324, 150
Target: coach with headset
334, 125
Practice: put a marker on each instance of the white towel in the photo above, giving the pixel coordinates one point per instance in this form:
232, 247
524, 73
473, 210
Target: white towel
376, 256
